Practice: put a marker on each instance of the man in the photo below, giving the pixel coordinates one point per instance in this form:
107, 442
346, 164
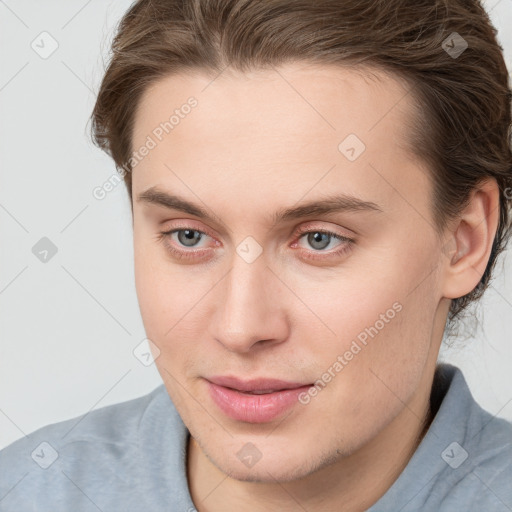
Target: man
316, 187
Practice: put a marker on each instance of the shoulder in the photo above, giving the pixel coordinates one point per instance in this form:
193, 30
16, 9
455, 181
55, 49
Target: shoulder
112, 424
484, 476
473, 449
99, 453
464, 461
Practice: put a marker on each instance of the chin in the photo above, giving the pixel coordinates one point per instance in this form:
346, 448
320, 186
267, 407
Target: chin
271, 468
264, 473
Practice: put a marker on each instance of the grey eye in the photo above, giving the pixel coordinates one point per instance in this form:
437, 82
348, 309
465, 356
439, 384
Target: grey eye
188, 237
317, 239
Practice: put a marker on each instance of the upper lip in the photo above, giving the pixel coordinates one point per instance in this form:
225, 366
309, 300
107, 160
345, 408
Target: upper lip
258, 384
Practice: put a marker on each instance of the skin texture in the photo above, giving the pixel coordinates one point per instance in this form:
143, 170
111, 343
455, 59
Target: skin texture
255, 144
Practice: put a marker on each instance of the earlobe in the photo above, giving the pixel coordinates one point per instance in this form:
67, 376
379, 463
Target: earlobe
471, 241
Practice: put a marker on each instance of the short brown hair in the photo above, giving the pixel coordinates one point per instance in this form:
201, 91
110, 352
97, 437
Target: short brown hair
462, 134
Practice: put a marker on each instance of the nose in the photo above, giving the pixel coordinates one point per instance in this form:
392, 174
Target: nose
251, 309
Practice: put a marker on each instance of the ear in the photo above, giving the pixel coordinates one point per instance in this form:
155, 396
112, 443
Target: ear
470, 240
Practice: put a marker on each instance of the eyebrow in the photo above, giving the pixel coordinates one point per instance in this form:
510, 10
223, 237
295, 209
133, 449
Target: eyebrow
327, 205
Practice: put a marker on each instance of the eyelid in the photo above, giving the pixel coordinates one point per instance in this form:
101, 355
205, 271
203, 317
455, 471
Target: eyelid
308, 228
189, 224
305, 227
344, 244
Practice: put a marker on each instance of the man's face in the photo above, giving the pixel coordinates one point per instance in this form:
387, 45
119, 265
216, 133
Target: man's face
247, 294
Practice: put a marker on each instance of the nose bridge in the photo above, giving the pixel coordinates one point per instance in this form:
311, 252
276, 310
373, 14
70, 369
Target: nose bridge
246, 313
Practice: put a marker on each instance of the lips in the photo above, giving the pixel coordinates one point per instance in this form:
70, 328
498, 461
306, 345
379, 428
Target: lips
254, 401
255, 385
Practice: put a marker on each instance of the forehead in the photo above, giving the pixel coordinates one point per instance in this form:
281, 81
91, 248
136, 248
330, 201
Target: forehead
285, 130
327, 98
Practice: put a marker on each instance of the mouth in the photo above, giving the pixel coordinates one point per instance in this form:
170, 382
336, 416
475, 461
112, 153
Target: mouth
257, 392
256, 385
255, 401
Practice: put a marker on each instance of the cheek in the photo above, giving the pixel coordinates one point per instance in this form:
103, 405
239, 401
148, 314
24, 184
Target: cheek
397, 327
156, 291
350, 307
171, 301
146, 278
164, 302
377, 318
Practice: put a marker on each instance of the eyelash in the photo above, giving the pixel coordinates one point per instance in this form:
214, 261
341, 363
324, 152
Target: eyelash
187, 254
344, 248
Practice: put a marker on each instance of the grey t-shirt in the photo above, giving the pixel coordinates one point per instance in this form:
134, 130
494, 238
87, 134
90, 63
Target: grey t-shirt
132, 457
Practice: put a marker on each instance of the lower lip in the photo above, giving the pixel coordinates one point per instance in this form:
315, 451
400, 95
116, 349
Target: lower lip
254, 408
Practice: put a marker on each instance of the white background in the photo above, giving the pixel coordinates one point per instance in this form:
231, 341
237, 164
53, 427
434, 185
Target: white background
69, 326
